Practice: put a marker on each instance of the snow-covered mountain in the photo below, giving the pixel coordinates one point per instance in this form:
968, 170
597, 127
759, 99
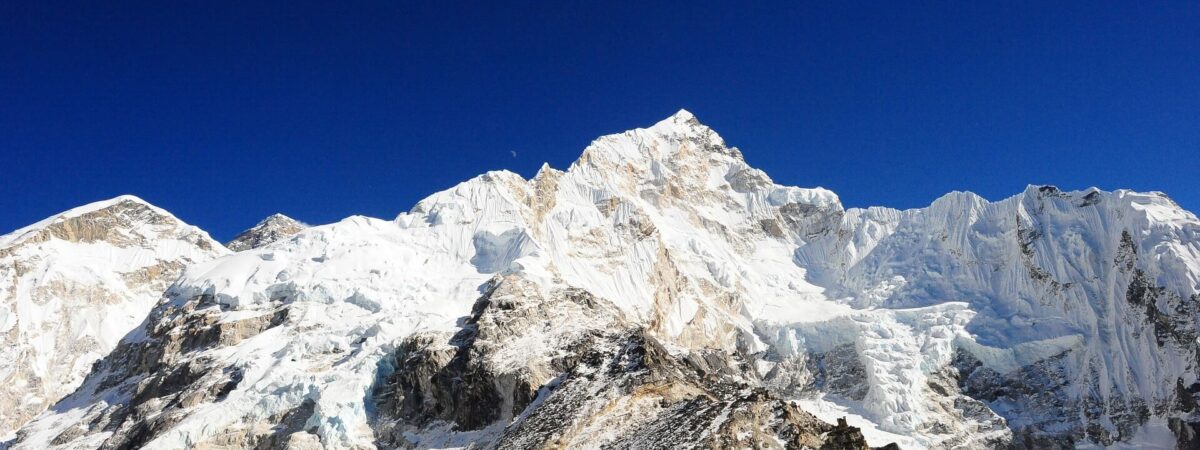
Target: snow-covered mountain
660, 292
271, 229
1078, 310
73, 285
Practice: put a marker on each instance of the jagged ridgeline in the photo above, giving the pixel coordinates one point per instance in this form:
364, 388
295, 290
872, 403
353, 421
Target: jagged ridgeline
658, 293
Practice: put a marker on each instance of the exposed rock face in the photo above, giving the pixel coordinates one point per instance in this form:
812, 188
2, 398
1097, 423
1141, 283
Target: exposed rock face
271, 229
515, 341
164, 374
72, 285
520, 375
662, 293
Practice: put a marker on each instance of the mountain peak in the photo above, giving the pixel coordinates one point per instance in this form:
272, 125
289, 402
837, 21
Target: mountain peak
277, 217
124, 211
683, 115
546, 171
73, 284
273, 228
676, 136
682, 120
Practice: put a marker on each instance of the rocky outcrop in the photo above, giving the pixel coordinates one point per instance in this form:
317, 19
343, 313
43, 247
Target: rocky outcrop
162, 375
642, 396
605, 384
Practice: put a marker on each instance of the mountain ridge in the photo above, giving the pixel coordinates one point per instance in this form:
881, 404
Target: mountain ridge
917, 325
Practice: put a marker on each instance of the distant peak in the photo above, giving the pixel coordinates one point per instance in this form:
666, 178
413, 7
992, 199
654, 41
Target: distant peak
273, 228
73, 212
127, 210
278, 218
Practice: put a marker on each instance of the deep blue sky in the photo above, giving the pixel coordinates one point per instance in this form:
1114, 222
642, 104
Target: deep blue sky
224, 113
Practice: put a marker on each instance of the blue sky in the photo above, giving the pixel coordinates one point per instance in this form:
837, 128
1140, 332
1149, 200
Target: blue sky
224, 113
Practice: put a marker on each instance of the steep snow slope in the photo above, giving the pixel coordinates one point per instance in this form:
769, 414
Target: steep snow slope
661, 284
1095, 291
73, 285
271, 229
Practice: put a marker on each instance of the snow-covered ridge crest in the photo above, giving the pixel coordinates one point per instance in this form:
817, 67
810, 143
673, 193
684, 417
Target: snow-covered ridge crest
932, 327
